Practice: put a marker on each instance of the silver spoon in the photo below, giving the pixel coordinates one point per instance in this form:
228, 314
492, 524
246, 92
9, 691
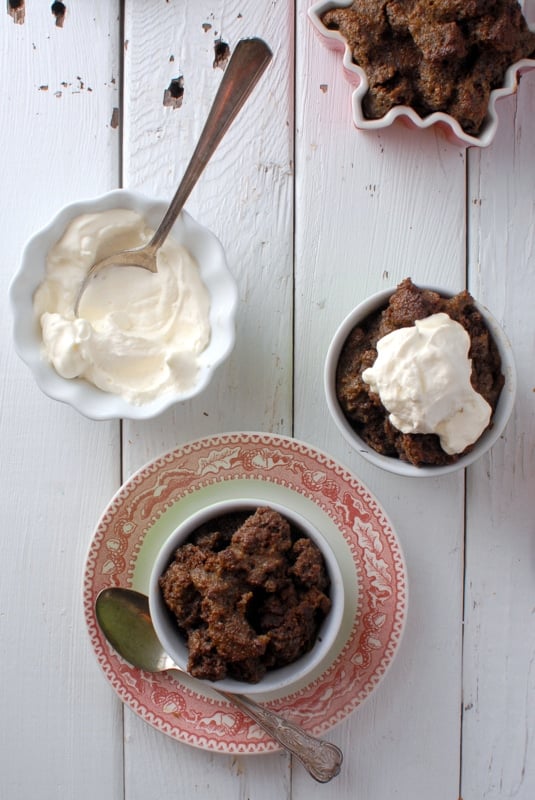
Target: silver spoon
123, 615
247, 63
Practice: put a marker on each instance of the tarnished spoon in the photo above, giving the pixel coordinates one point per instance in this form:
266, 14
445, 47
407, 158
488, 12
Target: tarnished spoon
246, 65
123, 615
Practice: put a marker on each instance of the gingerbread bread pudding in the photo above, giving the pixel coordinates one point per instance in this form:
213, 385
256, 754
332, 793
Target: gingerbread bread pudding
363, 407
249, 593
433, 55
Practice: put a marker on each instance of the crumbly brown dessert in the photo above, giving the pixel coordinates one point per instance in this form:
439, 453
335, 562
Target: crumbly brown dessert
363, 407
249, 593
433, 55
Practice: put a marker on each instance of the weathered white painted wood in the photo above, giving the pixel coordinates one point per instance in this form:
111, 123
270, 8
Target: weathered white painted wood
60, 726
245, 197
372, 209
499, 642
158, 767
369, 210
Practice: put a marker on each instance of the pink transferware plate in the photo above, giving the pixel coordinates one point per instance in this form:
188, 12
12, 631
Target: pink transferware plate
150, 505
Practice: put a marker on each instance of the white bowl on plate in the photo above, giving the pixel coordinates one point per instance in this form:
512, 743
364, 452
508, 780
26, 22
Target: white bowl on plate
274, 680
393, 464
90, 401
407, 115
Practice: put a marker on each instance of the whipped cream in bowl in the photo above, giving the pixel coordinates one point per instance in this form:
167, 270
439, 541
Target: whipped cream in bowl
141, 342
421, 375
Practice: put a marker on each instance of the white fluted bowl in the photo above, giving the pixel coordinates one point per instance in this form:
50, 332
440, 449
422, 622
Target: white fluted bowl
90, 401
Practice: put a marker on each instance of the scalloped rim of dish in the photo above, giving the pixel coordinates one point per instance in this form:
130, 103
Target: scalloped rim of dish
278, 469
487, 439
356, 75
79, 393
275, 680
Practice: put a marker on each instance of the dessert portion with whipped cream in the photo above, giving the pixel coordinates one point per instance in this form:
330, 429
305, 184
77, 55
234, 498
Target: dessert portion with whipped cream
138, 334
420, 379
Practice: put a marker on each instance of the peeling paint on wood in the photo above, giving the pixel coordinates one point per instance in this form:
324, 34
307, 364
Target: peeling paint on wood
174, 94
16, 9
59, 9
221, 54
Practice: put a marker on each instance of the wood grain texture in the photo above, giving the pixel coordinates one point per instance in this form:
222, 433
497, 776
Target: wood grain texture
245, 197
178, 770
58, 716
392, 205
314, 216
499, 642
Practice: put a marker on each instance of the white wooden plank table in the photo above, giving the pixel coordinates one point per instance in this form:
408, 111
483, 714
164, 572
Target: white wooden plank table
314, 216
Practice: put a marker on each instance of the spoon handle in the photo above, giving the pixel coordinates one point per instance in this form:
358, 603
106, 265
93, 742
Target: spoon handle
319, 757
246, 65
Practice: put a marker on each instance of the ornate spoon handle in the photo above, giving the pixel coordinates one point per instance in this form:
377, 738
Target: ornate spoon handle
320, 758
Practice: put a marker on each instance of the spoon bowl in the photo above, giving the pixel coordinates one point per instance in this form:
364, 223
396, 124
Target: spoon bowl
124, 618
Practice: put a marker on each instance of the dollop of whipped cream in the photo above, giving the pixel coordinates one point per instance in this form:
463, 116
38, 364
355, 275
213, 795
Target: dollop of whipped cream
422, 375
139, 334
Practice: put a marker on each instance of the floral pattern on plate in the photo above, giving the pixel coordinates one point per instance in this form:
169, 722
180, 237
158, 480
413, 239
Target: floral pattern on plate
161, 494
